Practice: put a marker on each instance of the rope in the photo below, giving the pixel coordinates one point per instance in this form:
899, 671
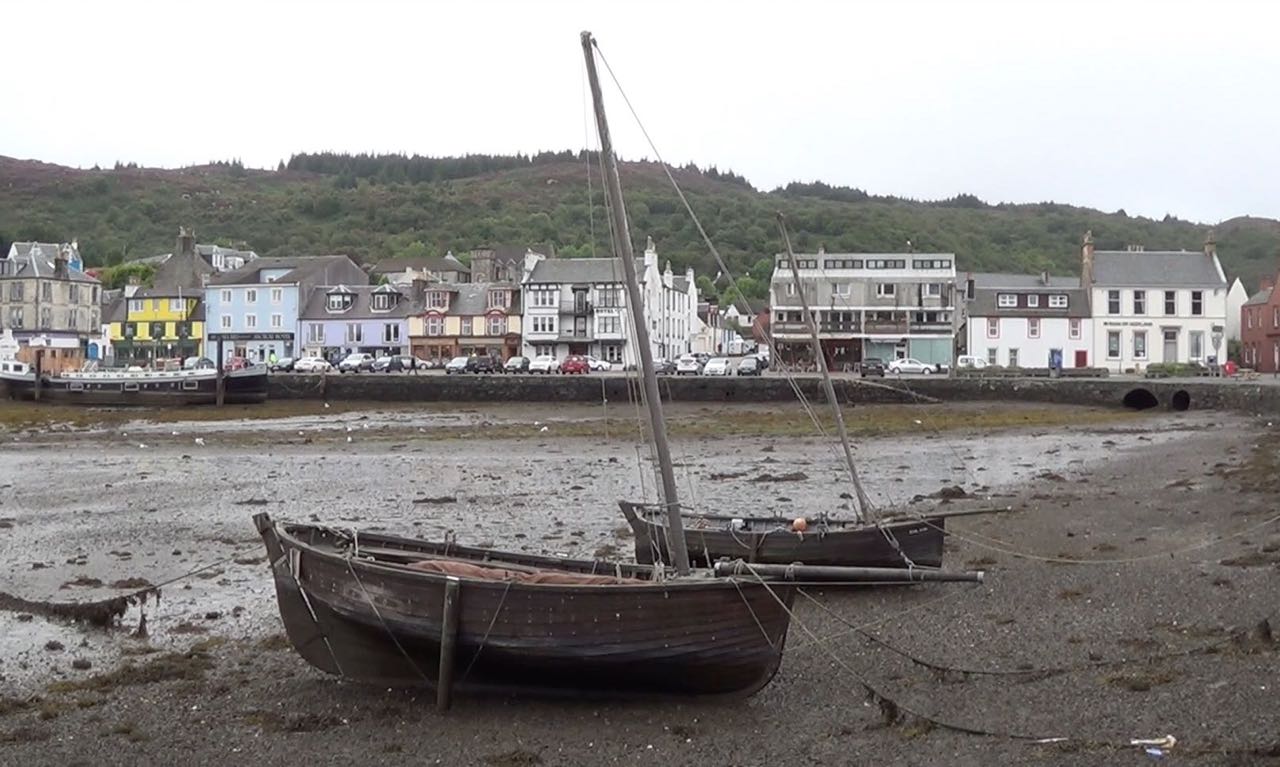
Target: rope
385, 627
484, 639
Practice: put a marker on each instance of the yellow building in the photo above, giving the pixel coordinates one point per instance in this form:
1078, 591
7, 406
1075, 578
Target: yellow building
158, 324
468, 318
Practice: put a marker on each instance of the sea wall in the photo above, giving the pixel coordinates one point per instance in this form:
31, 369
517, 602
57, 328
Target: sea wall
1140, 394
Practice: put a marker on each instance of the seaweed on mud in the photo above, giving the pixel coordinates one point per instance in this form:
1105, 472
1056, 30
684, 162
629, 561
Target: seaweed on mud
103, 613
173, 666
516, 758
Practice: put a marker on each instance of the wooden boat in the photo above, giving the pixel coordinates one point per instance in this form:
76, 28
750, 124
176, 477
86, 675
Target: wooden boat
357, 607
135, 387
710, 537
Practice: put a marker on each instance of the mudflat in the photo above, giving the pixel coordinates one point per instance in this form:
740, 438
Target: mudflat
1127, 594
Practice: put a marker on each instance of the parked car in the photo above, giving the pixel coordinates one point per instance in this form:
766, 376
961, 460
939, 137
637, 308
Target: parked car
664, 367
481, 363
967, 361
236, 363
516, 365
354, 363
198, 363
688, 365
575, 364
282, 365
749, 366
544, 363
911, 365
716, 366
395, 363
702, 358
312, 365
872, 366
598, 365
456, 365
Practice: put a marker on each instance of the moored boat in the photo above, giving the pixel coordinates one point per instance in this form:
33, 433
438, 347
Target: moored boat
134, 387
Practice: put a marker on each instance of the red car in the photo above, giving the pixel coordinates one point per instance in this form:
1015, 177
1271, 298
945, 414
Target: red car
575, 364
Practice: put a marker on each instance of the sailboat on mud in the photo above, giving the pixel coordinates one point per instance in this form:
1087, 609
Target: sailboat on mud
400, 611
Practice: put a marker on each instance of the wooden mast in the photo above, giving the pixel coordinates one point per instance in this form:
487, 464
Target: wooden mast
863, 511
625, 252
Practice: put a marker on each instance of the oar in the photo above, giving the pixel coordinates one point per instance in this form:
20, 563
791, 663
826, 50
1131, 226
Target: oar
836, 574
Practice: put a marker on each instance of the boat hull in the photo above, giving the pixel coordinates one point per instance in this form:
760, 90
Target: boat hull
709, 538
240, 387
380, 622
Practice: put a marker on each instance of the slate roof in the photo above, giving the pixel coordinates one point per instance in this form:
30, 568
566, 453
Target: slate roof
28, 265
580, 270
987, 286
316, 306
446, 263
301, 267
1261, 297
207, 252
115, 310
1156, 268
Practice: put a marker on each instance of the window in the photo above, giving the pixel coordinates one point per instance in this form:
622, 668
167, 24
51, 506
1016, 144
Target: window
391, 333
889, 263
1033, 327
545, 298
1013, 358
466, 326
1196, 338
1033, 301
993, 356
1006, 300
251, 296
15, 293
435, 326
993, 327
315, 333
251, 320
544, 324
843, 263
931, 263
1139, 302
544, 350
1170, 303
338, 302
1058, 301
438, 299
1275, 317
613, 352
498, 298
497, 325
177, 305
1113, 344
1197, 303
47, 290
73, 293
277, 320
226, 296
277, 295
380, 302
46, 318
791, 288
17, 316
355, 333
886, 290
135, 305
1074, 328
225, 322
841, 288
1113, 302
610, 296
607, 325
1139, 344
932, 290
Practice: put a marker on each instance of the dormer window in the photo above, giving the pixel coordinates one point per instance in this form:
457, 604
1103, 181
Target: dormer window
382, 302
437, 299
340, 302
498, 298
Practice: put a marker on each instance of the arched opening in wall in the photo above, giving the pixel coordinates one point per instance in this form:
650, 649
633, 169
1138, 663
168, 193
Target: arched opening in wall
1181, 400
1140, 399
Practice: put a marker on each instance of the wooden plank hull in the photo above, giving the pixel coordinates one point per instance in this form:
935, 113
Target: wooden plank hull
766, 540
376, 621
248, 387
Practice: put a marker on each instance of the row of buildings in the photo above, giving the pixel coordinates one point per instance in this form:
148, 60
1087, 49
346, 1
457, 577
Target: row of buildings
1126, 309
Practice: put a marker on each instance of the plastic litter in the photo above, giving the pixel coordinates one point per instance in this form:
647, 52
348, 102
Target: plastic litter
1160, 744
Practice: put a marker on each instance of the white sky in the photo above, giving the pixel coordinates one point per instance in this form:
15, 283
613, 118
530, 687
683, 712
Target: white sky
1159, 107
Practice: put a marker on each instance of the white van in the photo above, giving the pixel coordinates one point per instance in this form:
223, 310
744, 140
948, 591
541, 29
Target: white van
966, 361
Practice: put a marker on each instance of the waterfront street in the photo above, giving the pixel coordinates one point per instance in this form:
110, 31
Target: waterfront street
1132, 536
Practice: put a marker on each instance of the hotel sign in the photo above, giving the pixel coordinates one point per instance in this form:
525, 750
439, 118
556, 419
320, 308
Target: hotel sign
1127, 323
250, 336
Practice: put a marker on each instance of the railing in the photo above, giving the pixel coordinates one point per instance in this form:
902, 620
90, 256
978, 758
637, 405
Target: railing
570, 335
883, 326
573, 306
789, 328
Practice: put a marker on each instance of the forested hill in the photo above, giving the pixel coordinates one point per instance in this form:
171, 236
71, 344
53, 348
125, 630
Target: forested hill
374, 207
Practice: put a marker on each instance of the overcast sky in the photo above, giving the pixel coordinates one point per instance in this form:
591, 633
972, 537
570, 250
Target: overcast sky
1156, 108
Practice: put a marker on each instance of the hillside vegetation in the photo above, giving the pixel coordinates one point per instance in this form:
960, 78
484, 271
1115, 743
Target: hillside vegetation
378, 207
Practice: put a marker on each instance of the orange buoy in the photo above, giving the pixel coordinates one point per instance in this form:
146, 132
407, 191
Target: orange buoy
800, 524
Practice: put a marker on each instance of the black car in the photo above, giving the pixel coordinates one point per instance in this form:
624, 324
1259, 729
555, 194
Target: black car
749, 366
664, 367
872, 366
516, 365
394, 364
481, 363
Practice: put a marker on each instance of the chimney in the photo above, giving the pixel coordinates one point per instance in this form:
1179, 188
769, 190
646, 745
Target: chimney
1267, 283
1044, 278
60, 271
1086, 258
650, 254
1210, 244
186, 247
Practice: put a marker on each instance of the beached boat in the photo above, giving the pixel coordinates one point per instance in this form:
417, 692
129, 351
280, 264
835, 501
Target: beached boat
373, 608
134, 387
775, 540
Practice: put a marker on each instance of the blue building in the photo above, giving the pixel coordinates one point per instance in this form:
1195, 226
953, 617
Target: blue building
254, 309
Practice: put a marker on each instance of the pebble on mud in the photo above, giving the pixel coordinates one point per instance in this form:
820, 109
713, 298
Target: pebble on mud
81, 664
54, 645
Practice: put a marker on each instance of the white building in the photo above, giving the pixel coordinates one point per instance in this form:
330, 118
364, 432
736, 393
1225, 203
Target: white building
1236, 298
1019, 320
1156, 306
579, 306
882, 305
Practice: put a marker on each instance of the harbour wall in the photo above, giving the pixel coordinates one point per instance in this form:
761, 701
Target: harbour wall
1133, 393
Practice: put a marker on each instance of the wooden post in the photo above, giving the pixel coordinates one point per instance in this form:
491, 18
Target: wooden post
35, 391
221, 382
448, 643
